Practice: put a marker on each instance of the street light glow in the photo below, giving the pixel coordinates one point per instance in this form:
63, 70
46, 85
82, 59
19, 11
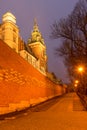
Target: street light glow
76, 81
80, 69
75, 85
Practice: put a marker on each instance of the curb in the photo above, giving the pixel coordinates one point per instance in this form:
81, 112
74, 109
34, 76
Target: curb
11, 114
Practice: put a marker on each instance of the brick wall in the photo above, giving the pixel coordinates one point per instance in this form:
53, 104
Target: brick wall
21, 85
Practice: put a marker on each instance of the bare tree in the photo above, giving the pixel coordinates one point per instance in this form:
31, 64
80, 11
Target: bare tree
73, 34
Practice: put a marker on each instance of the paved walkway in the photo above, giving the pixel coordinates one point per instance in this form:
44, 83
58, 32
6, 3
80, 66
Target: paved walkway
64, 113
77, 105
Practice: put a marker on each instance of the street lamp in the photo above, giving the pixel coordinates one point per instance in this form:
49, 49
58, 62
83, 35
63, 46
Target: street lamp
76, 81
76, 84
80, 69
81, 77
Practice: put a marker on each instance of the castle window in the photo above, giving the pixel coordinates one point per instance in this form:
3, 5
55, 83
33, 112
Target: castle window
14, 30
33, 63
14, 39
29, 59
3, 28
37, 65
3, 37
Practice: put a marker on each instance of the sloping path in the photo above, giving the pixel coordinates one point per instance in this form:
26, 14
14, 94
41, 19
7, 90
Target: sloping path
64, 113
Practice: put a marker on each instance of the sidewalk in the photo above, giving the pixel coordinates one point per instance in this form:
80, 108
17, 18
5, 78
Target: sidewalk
77, 105
65, 113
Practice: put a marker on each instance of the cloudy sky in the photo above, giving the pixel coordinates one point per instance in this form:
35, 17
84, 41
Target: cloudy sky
46, 12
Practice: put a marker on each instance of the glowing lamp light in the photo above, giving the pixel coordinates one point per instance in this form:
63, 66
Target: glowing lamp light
75, 85
80, 69
76, 81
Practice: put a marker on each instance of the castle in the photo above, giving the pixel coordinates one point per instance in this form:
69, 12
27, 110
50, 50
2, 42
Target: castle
24, 78
34, 51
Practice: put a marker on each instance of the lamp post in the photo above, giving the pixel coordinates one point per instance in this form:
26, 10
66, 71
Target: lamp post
80, 70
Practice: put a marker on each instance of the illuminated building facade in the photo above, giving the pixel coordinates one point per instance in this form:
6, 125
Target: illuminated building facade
34, 51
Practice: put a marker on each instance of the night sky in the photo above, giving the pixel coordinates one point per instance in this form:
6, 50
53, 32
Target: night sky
46, 12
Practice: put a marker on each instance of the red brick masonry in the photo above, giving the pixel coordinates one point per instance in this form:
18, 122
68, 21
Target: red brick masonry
21, 83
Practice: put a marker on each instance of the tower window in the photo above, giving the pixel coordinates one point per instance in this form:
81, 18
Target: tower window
3, 37
3, 28
14, 30
14, 39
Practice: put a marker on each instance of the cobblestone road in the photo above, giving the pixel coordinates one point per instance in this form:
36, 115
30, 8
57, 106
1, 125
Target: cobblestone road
63, 113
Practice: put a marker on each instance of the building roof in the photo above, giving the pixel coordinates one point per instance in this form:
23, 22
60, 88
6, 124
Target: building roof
8, 16
36, 35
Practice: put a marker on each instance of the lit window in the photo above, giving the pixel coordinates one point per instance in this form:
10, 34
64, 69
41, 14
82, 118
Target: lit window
14, 30
3, 28
14, 39
3, 37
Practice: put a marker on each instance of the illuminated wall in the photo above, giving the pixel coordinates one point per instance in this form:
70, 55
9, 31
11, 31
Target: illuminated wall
21, 85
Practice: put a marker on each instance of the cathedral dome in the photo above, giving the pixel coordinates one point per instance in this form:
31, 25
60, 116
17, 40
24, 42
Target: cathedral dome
9, 17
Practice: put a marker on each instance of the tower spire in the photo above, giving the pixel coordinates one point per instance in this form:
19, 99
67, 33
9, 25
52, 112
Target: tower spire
35, 27
35, 22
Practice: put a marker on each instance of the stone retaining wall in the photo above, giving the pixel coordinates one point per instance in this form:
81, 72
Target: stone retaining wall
21, 85
18, 91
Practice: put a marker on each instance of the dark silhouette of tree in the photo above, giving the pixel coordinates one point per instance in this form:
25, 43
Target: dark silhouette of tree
73, 34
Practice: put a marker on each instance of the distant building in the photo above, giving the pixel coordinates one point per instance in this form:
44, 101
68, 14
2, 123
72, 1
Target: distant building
34, 51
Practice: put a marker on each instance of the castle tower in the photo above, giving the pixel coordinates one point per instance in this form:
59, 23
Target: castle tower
9, 31
37, 45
